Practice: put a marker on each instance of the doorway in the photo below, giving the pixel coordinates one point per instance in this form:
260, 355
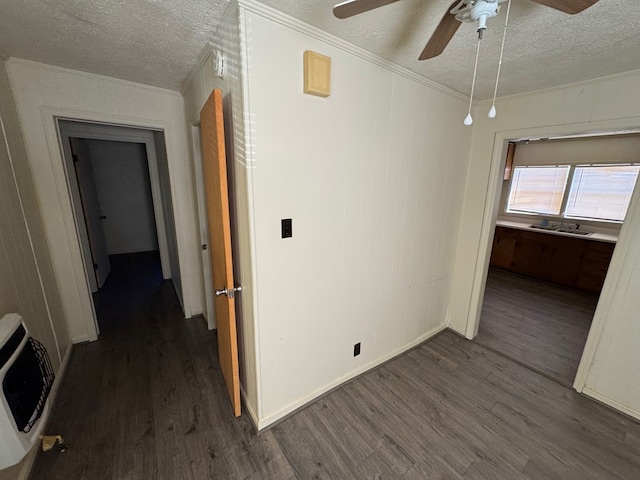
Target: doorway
122, 210
562, 204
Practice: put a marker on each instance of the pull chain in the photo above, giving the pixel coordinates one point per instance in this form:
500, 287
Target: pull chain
492, 112
469, 119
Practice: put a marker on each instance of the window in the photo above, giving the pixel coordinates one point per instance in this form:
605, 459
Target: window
538, 189
596, 192
601, 191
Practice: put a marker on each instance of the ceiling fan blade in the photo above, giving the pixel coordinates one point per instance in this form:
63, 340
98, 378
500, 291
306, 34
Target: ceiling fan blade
445, 31
568, 6
354, 7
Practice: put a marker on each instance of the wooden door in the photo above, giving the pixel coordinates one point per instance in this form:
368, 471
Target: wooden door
91, 209
217, 198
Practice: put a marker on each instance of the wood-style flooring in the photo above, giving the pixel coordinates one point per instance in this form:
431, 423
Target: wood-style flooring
541, 325
147, 401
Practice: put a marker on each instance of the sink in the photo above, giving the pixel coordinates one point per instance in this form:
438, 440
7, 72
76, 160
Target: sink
544, 227
551, 228
574, 232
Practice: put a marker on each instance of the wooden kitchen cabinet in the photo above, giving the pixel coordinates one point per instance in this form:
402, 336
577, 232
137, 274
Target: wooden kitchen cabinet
528, 254
564, 260
504, 246
594, 266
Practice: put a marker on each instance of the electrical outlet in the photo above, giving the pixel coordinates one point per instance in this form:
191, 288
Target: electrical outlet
287, 228
356, 349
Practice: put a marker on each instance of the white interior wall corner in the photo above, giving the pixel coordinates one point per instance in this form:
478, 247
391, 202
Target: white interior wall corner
358, 177
243, 138
43, 310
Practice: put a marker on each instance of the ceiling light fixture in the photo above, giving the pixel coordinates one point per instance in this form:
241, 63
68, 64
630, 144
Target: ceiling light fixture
480, 12
463, 11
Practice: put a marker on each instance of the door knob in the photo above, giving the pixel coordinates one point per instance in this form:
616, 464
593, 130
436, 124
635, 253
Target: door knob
229, 293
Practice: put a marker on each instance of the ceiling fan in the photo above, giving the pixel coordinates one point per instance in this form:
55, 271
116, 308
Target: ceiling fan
459, 11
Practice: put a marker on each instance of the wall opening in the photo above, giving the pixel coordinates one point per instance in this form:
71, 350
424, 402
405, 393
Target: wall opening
118, 182
546, 270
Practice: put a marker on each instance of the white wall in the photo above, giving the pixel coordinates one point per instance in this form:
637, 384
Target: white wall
373, 179
122, 180
610, 104
27, 282
579, 151
27, 285
171, 226
42, 92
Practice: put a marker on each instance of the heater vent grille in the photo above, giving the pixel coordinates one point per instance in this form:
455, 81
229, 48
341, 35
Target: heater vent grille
27, 384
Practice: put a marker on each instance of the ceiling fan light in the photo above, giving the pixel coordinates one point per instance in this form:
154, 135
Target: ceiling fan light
468, 120
483, 10
492, 112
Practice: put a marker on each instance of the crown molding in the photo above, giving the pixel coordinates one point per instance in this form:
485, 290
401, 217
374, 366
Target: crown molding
314, 32
581, 83
206, 52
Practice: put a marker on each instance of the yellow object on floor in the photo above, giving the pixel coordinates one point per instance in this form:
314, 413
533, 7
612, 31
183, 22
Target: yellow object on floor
50, 441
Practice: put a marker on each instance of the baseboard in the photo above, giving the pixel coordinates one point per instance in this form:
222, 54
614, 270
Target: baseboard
82, 339
30, 458
249, 407
301, 402
611, 403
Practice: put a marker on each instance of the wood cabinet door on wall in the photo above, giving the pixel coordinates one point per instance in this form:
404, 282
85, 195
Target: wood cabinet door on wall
561, 259
594, 266
528, 257
504, 245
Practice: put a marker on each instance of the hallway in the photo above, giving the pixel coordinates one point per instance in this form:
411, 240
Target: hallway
146, 400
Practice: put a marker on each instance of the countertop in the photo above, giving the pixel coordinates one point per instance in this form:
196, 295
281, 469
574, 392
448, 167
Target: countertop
599, 237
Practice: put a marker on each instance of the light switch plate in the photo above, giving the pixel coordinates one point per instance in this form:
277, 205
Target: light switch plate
287, 228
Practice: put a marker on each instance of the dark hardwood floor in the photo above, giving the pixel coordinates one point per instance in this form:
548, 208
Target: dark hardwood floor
541, 325
147, 401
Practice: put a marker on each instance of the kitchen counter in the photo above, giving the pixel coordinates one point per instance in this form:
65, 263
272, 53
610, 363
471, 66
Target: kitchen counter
600, 237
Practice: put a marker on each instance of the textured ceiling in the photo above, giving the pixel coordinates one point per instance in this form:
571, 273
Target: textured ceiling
544, 47
157, 42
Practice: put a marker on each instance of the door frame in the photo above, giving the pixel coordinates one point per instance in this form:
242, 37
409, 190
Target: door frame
73, 128
203, 226
490, 213
77, 276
